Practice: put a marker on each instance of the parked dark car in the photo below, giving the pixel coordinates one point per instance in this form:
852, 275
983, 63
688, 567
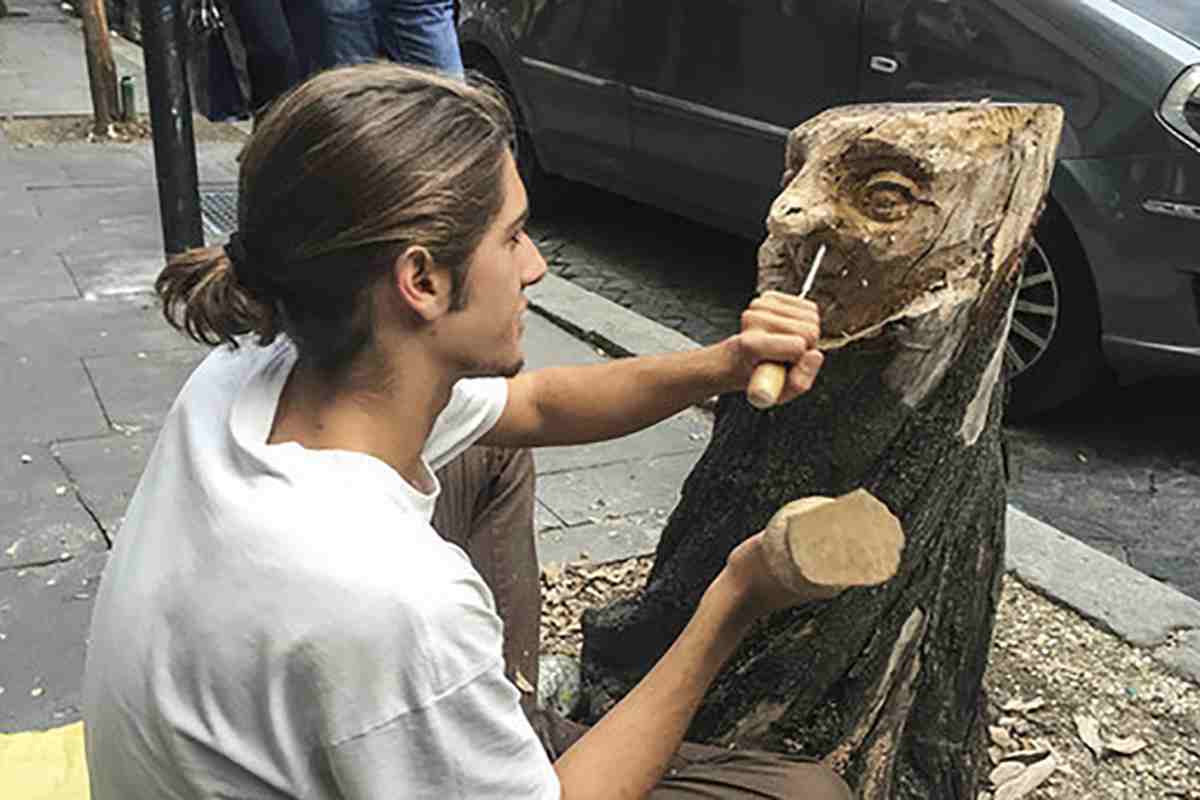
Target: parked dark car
685, 104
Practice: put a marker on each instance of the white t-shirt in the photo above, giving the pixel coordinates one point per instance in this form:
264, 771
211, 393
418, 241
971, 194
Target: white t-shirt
282, 622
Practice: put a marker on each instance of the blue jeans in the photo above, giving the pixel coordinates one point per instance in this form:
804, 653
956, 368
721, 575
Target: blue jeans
418, 32
347, 32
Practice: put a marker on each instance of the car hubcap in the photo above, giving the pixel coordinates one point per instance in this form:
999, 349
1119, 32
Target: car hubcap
1035, 317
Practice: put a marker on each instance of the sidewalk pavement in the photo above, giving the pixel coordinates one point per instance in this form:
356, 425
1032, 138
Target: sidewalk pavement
90, 369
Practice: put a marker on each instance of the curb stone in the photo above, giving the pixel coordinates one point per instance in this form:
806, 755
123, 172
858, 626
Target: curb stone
599, 321
1140, 610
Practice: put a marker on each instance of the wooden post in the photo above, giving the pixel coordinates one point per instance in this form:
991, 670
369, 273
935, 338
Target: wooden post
102, 70
926, 212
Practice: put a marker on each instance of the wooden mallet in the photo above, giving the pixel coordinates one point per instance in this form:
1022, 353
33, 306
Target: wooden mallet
820, 546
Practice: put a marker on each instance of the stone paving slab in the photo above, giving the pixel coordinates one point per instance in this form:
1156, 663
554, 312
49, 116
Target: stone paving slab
12, 84
23, 167
105, 472
109, 164
118, 232
43, 521
635, 486
114, 273
544, 518
33, 270
90, 210
136, 389
43, 69
73, 328
46, 399
546, 345
687, 432
610, 540
44, 617
40, 68
18, 213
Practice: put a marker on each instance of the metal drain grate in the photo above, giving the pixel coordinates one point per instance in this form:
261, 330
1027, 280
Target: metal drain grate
218, 209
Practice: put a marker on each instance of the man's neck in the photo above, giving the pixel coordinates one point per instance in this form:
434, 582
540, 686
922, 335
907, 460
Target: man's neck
390, 422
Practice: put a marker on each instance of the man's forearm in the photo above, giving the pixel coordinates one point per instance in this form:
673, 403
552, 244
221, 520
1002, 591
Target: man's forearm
628, 751
594, 402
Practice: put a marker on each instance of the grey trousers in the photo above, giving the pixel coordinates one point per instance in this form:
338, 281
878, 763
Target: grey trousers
486, 507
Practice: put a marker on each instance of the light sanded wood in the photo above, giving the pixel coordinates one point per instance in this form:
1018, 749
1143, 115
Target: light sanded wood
833, 544
766, 384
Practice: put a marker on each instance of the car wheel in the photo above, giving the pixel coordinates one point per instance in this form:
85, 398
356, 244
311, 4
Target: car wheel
1053, 350
541, 186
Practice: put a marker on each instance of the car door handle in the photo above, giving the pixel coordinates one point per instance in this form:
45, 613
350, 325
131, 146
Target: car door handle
884, 64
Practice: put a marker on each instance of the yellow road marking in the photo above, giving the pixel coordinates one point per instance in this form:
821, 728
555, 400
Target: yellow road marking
44, 765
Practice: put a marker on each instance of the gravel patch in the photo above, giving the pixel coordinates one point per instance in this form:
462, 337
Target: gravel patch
1051, 674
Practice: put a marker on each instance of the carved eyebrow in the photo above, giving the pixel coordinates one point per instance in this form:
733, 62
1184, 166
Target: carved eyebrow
874, 152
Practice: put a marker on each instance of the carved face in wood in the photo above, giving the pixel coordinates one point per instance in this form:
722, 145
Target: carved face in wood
918, 205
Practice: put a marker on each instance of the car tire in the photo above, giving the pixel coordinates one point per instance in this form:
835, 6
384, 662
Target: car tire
541, 186
1053, 350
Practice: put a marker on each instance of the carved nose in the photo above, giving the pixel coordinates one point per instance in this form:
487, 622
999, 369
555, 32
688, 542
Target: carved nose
797, 215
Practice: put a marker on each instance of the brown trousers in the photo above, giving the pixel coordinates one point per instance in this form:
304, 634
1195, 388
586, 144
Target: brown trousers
486, 507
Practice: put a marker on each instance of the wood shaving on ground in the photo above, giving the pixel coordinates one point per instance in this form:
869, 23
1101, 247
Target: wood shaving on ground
569, 589
1050, 675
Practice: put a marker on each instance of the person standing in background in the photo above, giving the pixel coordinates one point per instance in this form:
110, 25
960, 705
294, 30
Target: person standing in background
420, 32
286, 41
347, 31
281, 38
414, 32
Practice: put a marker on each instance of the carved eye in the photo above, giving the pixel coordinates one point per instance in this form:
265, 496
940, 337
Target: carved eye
888, 196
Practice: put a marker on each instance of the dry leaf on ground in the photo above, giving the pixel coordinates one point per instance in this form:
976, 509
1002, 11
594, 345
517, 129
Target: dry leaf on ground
1029, 779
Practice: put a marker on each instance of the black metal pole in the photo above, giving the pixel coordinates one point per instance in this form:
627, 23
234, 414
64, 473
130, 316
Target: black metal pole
164, 48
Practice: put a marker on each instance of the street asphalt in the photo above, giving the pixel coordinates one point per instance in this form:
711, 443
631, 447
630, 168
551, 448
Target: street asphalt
90, 370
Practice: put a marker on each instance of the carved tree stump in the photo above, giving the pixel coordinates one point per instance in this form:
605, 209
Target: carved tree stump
927, 212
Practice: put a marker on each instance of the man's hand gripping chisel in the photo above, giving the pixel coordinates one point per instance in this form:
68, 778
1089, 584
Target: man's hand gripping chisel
766, 382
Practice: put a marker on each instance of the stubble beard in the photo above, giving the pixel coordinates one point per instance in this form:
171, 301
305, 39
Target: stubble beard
497, 369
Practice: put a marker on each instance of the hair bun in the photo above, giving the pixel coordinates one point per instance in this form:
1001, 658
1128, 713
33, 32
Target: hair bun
247, 269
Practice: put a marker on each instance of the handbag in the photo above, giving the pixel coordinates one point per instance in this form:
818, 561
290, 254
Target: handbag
217, 92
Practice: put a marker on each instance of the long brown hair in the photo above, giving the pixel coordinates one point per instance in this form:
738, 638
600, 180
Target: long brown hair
341, 176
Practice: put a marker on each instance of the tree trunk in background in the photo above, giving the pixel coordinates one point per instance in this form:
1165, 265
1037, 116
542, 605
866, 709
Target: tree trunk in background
102, 70
926, 212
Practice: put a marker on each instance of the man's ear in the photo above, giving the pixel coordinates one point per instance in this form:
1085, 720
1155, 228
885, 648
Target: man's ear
422, 285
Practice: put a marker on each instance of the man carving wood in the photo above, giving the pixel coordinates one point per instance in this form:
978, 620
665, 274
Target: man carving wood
925, 212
